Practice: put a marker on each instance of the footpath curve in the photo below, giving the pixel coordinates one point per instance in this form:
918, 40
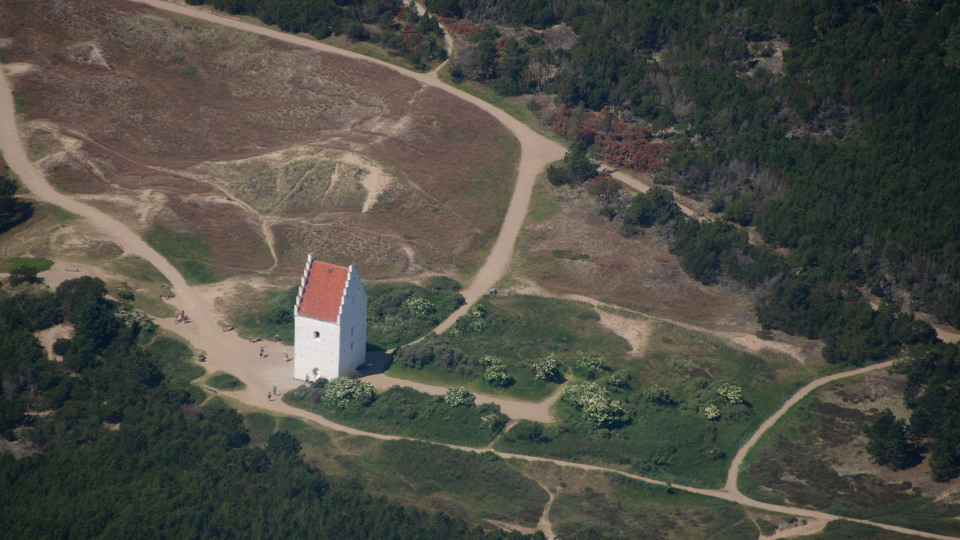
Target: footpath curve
537, 151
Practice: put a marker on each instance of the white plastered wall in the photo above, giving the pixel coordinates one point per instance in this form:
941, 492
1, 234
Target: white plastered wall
330, 349
353, 323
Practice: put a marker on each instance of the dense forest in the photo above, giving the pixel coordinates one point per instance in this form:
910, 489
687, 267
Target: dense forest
121, 448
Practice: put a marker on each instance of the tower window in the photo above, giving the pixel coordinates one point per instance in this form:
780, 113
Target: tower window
351, 330
316, 335
351, 347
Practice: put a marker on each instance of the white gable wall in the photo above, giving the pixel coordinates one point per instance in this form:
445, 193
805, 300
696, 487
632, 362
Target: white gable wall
353, 323
330, 349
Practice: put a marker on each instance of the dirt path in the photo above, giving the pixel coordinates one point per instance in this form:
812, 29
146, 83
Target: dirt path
240, 358
734, 471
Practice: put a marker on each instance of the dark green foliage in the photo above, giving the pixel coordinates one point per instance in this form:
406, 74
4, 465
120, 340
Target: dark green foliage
814, 306
13, 211
80, 292
709, 251
655, 207
430, 352
172, 469
24, 274
405, 411
934, 370
841, 529
396, 317
30, 310
575, 168
888, 442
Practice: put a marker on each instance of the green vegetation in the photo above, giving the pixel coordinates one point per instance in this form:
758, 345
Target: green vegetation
139, 269
399, 411
518, 332
471, 486
793, 461
626, 508
187, 482
13, 210
842, 529
262, 313
400, 30
39, 264
174, 356
679, 422
574, 169
189, 253
225, 381
398, 313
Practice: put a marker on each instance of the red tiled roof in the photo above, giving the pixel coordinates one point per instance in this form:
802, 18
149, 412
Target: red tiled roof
324, 290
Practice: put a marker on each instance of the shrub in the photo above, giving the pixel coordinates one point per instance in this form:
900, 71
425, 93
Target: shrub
589, 366
595, 404
732, 393
352, 374
24, 274
418, 306
458, 395
342, 391
657, 394
547, 368
497, 375
711, 412
620, 379
129, 315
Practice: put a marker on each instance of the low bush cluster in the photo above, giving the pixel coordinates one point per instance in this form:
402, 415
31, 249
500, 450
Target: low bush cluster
459, 396
398, 313
595, 403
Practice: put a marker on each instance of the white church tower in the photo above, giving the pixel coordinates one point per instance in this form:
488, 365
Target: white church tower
330, 320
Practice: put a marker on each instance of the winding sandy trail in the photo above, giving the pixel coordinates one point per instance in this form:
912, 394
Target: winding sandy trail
231, 354
734, 471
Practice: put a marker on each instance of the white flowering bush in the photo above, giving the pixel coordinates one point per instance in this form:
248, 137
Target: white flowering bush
497, 375
341, 391
546, 368
589, 366
595, 403
473, 321
732, 393
620, 379
657, 394
418, 306
459, 396
493, 421
711, 412
129, 314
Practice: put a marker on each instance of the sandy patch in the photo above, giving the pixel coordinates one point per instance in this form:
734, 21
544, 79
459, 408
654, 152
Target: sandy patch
636, 331
50, 335
754, 344
805, 527
18, 68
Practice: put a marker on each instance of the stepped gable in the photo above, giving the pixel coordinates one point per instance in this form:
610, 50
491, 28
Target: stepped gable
322, 294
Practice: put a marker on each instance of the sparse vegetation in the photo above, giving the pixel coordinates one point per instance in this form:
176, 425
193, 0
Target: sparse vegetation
797, 460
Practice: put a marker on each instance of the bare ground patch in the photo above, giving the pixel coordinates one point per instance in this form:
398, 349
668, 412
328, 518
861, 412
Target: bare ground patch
122, 99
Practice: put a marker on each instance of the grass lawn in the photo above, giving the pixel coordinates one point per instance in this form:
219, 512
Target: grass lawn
519, 330
225, 381
187, 252
39, 263
405, 411
799, 458
674, 440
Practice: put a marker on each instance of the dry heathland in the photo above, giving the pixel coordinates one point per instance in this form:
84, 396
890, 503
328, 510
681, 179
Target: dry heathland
252, 152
